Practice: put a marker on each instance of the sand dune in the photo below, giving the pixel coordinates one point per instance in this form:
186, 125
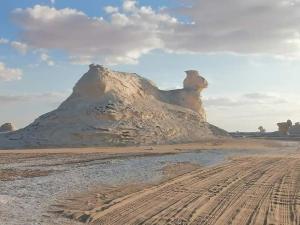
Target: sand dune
250, 190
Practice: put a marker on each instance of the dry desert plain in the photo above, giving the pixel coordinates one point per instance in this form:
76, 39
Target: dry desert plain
227, 181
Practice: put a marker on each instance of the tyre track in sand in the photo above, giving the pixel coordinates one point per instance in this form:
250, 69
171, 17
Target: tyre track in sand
246, 191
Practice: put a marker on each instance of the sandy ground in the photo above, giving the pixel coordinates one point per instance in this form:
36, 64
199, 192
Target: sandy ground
249, 190
205, 144
153, 184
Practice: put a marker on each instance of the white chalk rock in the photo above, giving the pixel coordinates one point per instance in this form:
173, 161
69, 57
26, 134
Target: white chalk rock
110, 108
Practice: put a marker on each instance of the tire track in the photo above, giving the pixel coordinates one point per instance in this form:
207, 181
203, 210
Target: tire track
245, 191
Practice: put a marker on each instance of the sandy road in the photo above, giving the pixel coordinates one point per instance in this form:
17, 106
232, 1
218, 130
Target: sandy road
246, 191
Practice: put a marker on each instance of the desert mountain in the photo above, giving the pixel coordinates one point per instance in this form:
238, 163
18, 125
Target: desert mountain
115, 108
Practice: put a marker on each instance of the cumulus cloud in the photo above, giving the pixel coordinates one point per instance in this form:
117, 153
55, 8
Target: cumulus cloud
128, 33
46, 58
129, 5
9, 74
20, 47
111, 9
211, 26
3, 41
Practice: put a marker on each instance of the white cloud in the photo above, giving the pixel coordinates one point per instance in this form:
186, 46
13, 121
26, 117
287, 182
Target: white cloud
248, 111
123, 38
265, 98
248, 99
50, 97
81, 60
46, 58
111, 9
246, 27
22, 108
19, 46
9, 74
4, 41
211, 26
129, 5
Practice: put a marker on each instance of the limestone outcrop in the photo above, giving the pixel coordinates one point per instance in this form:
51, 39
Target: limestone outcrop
110, 108
7, 127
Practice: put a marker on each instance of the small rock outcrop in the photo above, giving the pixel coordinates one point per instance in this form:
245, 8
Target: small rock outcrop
295, 129
7, 127
283, 127
109, 108
262, 130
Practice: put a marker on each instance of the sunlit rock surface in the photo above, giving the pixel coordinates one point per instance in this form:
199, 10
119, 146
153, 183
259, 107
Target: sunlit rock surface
110, 108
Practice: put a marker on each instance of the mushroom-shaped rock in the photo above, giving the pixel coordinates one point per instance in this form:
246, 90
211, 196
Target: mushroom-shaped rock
7, 127
189, 96
194, 81
193, 84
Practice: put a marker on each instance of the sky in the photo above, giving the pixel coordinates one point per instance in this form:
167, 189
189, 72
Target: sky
249, 51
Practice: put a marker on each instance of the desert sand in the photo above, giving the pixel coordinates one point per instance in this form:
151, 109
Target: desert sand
226, 181
249, 190
214, 143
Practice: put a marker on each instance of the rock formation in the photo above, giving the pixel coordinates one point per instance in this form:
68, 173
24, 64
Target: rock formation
295, 129
261, 129
7, 127
114, 108
284, 127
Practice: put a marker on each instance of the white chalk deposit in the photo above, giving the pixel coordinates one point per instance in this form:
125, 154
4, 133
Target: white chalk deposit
110, 108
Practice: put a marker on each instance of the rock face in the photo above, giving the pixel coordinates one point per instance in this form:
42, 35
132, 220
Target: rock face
7, 127
114, 108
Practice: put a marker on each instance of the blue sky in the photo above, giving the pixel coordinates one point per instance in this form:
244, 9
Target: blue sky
252, 67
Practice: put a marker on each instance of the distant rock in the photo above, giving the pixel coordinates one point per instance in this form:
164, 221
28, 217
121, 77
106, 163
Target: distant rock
295, 129
7, 127
288, 129
283, 127
262, 130
109, 108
